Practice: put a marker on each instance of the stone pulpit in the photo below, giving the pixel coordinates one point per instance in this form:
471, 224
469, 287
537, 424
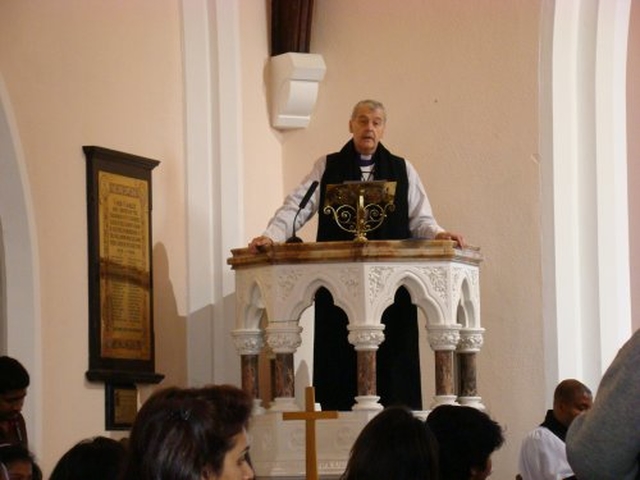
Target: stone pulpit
274, 288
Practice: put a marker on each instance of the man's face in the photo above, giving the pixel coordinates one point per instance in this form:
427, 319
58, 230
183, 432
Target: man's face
11, 403
20, 470
367, 127
567, 411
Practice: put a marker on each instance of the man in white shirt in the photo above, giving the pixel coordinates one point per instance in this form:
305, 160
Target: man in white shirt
543, 453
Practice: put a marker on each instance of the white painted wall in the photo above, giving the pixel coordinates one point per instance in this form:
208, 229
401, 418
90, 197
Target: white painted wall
86, 73
633, 154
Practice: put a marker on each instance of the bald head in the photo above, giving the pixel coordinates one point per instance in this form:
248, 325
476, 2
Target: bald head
570, 399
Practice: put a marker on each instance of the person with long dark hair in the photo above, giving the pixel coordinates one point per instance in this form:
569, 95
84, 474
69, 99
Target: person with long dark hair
191, 434
394, 444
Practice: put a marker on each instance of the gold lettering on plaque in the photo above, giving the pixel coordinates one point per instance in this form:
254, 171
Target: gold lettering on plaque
124, 267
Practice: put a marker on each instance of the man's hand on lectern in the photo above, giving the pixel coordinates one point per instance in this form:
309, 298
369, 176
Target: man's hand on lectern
260, 244
456, 237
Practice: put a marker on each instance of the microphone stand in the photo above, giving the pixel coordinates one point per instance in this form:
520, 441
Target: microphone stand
303, 203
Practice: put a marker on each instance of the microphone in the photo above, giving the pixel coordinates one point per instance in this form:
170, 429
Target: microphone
303, 203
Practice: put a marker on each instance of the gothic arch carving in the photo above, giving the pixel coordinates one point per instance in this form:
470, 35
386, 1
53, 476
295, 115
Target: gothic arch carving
416, 287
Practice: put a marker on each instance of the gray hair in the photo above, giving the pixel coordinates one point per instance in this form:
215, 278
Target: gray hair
370, 104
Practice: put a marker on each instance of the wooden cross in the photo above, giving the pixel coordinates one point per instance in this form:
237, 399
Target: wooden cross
310, 416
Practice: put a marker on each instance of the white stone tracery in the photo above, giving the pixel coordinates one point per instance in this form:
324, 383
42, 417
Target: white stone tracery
363, 279
446, 289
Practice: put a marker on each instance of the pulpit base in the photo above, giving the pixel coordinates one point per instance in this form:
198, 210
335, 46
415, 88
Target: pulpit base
278, 446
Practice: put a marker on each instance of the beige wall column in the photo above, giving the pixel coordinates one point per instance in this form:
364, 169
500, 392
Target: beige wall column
366, 339
284, 339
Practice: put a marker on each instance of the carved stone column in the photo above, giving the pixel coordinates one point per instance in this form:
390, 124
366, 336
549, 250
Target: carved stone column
249, 344
470, 343
366, 339
284, 339
444, 340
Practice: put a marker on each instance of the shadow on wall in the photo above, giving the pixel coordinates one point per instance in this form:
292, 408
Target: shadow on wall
3, 299
170, 327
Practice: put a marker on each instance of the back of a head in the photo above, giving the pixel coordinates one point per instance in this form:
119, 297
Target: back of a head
394, 444
13, 375
467, 437
12, 456
98, 458
570, 398
11, 452
232, 404
568, 389
178, 436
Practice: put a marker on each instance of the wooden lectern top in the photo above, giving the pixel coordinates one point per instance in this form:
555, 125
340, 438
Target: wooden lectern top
351, 251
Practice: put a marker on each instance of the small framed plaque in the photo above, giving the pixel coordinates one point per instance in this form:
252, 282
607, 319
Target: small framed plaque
121, 336
121, 406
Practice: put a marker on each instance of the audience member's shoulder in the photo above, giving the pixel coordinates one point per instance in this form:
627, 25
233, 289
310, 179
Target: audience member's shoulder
629, 352
540, 438
635, 339
537, 434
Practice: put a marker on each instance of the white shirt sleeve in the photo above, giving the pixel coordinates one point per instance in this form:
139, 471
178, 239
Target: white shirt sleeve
543, 456
422, 223
280, 227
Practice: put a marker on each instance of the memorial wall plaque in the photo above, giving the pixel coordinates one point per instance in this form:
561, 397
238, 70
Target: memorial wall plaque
121, 339
121, 406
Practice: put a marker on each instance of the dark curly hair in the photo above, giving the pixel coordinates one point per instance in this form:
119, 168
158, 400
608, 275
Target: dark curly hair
98, 458
467, 437
13, 376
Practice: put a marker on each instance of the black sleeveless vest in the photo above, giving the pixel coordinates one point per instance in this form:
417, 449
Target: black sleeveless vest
343, 166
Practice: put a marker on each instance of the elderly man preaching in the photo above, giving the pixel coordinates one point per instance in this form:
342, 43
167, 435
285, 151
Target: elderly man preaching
362, 158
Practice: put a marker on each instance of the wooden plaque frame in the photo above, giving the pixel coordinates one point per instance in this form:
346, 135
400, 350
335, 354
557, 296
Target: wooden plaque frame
121, 332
